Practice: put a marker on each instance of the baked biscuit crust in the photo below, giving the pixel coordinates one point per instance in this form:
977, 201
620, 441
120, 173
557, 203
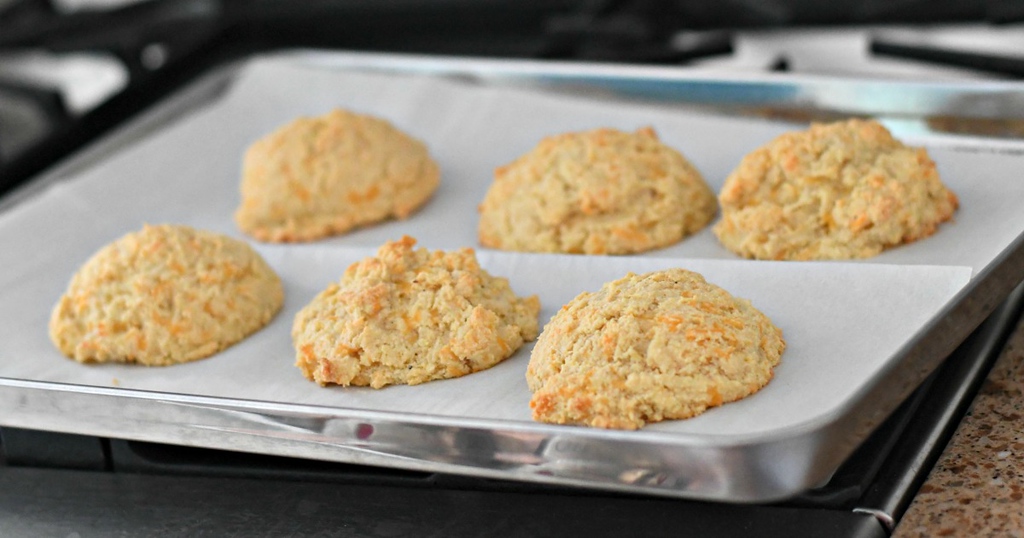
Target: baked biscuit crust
323, 176
409, 316
645, 348
164, 295
836, 191
595, 192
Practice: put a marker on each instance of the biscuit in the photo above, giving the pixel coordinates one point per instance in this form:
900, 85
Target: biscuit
836, 191
410, 316
165, 295
596, 192
646, 348
323, 176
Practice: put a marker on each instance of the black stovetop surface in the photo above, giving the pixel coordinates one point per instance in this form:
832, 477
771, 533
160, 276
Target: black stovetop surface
160, 43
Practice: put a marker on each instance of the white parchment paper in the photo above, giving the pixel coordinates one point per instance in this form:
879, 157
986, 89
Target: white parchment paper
843, 321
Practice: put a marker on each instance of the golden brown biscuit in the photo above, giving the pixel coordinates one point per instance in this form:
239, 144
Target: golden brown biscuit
836, 191
164, 295
411, 316
317, 177
595, 192
646, 348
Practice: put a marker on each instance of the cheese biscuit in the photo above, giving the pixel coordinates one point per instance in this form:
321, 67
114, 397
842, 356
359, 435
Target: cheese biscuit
646, 348
318, 177
164, 295
836, 191
595, 192
408, 316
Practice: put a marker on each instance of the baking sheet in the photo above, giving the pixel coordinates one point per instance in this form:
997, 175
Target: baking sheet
843, 321
188, 173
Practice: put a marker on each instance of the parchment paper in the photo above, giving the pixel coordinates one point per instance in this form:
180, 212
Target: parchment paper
842, 321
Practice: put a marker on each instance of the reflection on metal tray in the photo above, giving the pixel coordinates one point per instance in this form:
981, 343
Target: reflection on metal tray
736, 468
989, 108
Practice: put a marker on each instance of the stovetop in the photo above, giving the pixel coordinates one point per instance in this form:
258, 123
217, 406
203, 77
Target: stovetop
60, 60
71, 71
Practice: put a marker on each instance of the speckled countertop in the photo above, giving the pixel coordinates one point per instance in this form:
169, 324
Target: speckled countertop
977, 486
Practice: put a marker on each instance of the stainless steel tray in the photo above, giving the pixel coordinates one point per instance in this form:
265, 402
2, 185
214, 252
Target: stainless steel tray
766, 466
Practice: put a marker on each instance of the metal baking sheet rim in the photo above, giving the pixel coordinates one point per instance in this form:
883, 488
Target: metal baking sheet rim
748, 468
979, 99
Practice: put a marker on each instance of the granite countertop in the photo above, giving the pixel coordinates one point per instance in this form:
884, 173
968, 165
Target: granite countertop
977, 486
